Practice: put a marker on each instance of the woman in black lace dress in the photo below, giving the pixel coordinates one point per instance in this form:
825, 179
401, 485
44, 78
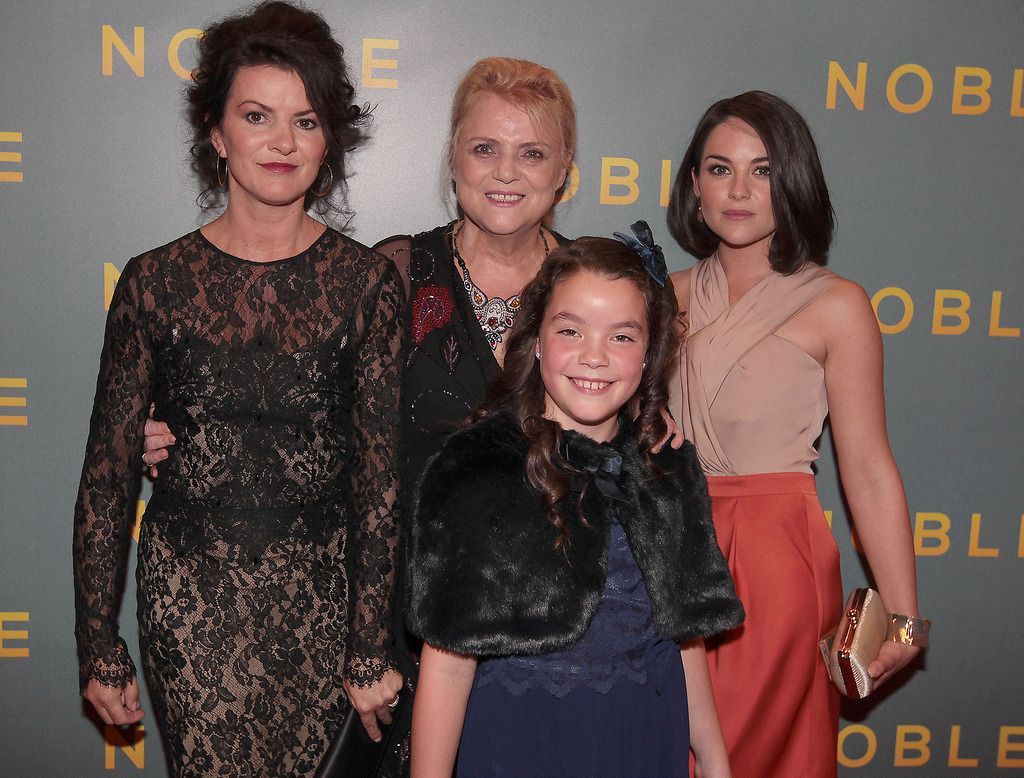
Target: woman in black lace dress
272, 346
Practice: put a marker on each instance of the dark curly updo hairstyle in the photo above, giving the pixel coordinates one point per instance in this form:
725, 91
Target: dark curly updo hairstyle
520, 390
289, 37
804, 219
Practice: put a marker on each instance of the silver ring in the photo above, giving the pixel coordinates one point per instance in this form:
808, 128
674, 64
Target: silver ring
394, 702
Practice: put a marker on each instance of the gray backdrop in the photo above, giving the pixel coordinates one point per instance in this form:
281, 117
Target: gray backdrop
928, 194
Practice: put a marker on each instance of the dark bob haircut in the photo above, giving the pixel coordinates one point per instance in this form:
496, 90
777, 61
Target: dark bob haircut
804, 220
520, 390
292, 38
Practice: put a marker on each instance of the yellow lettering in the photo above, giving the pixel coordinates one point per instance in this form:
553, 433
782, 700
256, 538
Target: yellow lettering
1017, 99
140, 508
837, 77
926, 88
995, 329
110, 276
939, 532
666, 182
918, 745
371, 63
1007, 746
961, 89
975, 549
11, 176
572, 184
136, 57
943, 309
20, 401
130, 740
955, 760
610, 179
908, 309
174, 50
20, 652
871, 745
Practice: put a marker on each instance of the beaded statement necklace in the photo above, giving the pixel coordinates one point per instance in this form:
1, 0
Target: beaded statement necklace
495, 315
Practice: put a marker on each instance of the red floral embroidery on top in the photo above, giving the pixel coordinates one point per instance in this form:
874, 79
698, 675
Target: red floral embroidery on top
431, 310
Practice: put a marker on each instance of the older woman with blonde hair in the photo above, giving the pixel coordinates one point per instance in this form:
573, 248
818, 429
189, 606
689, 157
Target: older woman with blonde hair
513, 134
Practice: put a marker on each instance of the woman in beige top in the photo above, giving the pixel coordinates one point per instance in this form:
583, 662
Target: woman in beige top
775, 342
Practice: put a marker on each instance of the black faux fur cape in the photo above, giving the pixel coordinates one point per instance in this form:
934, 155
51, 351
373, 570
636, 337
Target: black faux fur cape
485, 578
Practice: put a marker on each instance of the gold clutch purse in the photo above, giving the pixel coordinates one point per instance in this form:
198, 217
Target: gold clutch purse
861, 632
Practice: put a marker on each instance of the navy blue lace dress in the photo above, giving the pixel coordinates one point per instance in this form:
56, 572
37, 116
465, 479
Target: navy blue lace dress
613, 704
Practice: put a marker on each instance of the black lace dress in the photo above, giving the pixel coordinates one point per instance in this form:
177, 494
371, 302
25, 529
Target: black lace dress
267, 552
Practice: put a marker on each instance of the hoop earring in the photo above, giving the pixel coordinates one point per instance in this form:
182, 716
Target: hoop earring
327, 186
700, 213
222, 179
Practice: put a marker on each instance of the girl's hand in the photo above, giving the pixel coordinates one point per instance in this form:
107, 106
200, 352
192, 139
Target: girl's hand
115, 705
892, 657
158, 438
374, 702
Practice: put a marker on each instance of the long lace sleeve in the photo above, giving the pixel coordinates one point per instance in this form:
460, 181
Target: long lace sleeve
108, 489
373, 539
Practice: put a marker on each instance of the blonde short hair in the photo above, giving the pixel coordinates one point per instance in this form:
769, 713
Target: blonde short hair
536, 90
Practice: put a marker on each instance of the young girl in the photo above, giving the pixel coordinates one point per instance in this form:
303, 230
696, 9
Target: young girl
558, 570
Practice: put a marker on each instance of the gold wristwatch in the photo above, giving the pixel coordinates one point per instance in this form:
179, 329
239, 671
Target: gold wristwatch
911, 630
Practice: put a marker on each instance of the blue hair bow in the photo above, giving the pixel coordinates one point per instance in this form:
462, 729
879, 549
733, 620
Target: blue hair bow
649, 251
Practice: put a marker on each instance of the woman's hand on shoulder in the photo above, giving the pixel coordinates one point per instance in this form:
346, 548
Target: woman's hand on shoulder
115, 705
373, 703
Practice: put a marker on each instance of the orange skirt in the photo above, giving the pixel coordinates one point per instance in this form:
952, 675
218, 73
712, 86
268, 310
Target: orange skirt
779, 711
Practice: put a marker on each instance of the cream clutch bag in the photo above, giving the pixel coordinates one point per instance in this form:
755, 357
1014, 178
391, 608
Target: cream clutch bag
861, 632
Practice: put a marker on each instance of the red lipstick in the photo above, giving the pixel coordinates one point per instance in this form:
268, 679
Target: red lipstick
277, 167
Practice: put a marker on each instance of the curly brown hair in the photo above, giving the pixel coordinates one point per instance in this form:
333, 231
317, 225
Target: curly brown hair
520, 390
295, 39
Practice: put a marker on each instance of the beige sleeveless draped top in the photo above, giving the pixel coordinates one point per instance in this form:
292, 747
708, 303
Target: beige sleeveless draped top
750, 400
